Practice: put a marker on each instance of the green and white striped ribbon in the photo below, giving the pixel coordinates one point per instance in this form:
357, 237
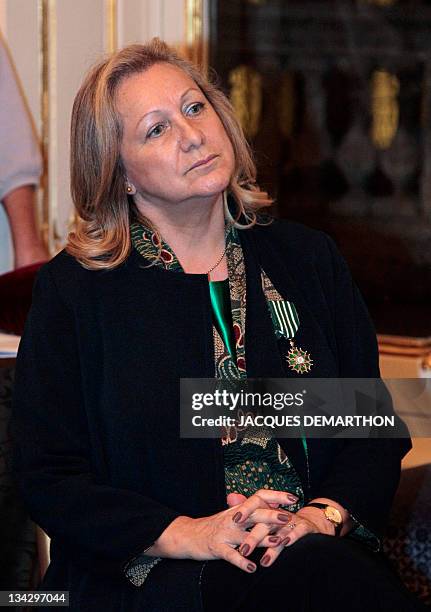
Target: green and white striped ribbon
284, 318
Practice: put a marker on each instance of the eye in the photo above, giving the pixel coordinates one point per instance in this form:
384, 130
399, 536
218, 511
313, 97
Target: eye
195, 109
156, 131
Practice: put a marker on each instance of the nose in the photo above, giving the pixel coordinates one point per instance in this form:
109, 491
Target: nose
190, 135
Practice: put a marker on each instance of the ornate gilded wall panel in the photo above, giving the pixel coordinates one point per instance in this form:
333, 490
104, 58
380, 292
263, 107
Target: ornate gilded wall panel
335, 97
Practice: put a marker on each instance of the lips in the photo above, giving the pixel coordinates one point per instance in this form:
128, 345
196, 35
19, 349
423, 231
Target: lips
203, 162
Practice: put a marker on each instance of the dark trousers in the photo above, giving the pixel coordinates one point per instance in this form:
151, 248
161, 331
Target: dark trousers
318, 573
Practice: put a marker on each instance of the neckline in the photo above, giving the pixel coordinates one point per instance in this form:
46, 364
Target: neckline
223, 280
144, 245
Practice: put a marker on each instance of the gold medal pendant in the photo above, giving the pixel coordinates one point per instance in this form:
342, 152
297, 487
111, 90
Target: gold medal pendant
285, 320
298, 360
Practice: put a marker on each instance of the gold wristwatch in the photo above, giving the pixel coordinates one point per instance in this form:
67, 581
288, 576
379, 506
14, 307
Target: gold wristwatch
332, 514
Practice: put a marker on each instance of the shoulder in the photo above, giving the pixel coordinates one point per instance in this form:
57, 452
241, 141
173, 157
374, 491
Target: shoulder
60, 263
56, 280
71, 281
64, 266
62, 270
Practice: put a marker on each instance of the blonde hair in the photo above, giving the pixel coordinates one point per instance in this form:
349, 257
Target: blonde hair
101, 238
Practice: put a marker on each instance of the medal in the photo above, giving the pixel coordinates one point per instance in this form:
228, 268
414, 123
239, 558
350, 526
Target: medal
286, 323
298, 360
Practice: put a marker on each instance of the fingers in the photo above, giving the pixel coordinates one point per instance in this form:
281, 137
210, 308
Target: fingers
289, 534
233, 499
233, 556
261, 499
268, 516
298, 529
276, 497
264, 521
253, 538
271, 541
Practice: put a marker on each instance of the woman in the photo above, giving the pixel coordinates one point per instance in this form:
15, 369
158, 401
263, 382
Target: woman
171, 273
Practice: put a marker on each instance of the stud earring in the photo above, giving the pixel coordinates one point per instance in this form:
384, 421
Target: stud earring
130, 189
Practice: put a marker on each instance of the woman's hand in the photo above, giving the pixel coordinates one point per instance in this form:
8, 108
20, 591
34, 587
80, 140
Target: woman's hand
303, 522
218, 536
306, 520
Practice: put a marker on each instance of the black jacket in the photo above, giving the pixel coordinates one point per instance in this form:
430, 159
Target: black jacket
99, 459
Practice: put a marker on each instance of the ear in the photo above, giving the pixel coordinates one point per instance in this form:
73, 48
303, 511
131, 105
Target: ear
130, 188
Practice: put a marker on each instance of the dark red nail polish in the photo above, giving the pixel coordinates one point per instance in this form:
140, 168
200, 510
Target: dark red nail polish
265, 560
274, 539
283, 517
251, 567
244, 550
237, 517
285, 541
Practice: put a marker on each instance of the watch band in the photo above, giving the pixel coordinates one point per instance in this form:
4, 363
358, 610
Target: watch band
331, 515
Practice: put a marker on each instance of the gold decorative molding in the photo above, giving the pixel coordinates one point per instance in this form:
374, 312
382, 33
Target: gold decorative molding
48, 110
111, 25
385, 111
195, 47
43, 18
48, 76
404, 345
246, 97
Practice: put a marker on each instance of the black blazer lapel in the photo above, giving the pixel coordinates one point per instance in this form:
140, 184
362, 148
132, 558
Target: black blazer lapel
262, 352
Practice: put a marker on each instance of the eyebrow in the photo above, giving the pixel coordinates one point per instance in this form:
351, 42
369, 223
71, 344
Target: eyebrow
158, 110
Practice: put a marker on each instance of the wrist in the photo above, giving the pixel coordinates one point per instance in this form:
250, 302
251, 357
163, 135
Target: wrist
171, 543
317, 517
333, 512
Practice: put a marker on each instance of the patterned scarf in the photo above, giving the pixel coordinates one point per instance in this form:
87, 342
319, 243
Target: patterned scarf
253, 459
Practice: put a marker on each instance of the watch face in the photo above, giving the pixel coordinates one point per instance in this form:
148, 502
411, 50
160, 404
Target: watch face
333, 515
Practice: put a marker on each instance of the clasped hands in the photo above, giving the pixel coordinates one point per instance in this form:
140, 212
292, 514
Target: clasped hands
234, 533
274, 533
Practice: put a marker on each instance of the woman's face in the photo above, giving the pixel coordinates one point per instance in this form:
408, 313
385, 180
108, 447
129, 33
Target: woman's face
174, 146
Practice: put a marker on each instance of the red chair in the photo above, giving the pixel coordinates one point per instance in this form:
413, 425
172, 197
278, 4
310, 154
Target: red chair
15, 297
